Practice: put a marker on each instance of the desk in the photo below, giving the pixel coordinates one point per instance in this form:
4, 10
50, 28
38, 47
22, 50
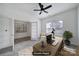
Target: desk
52, 49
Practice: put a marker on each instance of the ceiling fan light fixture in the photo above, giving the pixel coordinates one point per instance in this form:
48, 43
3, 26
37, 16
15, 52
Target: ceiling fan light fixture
42, 8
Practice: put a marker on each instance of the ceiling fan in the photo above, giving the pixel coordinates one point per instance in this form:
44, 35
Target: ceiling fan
42, 8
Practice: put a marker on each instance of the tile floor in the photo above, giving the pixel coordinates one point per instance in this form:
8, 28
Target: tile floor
19, 47
26, 44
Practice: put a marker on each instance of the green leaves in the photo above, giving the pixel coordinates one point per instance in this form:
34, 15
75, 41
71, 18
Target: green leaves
67, 35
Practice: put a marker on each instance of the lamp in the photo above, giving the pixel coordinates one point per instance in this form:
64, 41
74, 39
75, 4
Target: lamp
53, 32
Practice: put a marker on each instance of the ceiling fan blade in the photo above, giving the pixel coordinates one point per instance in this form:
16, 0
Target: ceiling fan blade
36, 10
41, 6
40, 12
45, 11
47, 7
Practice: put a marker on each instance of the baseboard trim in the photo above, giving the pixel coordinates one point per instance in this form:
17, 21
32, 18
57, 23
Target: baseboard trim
21, 39
72, 46
7, 49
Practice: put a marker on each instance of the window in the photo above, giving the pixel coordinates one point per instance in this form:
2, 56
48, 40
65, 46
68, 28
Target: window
48, 27
20, 26
57, 25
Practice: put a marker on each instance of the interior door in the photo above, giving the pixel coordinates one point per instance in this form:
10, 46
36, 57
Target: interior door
4, 33
34, 31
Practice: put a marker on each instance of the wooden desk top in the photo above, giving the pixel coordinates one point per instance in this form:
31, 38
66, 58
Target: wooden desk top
53, 49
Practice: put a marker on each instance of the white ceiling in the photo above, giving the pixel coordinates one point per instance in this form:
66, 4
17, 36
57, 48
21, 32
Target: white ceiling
28, 8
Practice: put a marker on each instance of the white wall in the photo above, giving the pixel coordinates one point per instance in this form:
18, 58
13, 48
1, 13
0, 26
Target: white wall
18, 15
11, 40
6, 37
69, 18
78, 23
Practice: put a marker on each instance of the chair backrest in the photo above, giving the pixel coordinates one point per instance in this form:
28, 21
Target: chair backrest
42, 34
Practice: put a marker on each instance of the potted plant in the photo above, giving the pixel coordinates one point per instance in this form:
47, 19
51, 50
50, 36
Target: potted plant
67, 35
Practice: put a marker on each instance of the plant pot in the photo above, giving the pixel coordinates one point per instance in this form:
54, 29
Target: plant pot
67, 42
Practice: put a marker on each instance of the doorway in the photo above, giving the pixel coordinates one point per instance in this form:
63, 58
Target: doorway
22, 30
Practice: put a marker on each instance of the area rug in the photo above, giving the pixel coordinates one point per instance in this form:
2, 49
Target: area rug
64, 52
26, 52
67, 52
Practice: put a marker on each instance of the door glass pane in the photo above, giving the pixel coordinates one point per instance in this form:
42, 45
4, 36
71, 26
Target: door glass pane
34, 31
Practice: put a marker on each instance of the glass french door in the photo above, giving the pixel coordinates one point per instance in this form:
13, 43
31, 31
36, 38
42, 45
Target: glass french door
34, 33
